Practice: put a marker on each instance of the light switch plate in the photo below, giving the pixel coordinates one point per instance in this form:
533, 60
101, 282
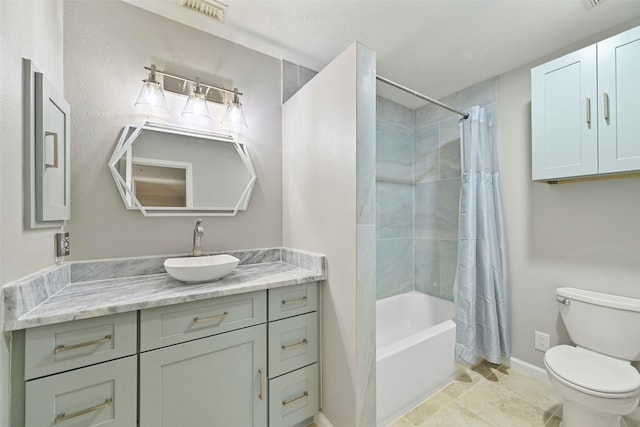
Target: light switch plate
63, 244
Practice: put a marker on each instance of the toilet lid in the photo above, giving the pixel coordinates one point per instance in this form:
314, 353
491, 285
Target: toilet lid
591, 370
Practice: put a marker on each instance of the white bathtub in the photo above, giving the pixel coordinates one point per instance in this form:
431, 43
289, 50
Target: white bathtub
415, 339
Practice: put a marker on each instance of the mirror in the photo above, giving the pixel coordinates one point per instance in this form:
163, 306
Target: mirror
165, 170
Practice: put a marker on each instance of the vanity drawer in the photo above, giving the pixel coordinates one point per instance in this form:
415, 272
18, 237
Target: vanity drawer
103, 395
293, 343
64, 346
293, 397
293, 300
178, 323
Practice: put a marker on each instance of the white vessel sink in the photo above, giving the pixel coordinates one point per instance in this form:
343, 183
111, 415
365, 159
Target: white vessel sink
201, 268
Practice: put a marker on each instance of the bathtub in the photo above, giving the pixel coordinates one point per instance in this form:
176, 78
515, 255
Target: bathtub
415, 339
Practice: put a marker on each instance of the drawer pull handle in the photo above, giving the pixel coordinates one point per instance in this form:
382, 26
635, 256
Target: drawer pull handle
55, 150
262, 380
297, 399
298, 344
588, 108
606, 106
206, 319
63, 417
294, 301
61, 348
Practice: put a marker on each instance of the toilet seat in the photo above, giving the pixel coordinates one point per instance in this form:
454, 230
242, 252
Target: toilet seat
592, 373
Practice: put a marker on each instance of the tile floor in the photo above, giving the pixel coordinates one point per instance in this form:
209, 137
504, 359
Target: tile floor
489, 396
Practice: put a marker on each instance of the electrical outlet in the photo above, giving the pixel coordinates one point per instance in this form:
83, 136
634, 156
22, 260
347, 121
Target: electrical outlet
63, 244
541, 341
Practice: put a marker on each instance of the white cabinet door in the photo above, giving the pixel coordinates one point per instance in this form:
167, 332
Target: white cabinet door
619, 106
564, 119
218, 381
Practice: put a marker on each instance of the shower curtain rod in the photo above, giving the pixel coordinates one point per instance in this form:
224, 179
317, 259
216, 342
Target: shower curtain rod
421, 96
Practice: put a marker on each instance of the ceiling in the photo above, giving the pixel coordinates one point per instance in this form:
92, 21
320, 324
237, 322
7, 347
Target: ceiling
436, 47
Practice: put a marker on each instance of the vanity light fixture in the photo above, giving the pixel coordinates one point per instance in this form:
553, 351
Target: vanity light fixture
152, 94
234, 113
198, 92
197, 103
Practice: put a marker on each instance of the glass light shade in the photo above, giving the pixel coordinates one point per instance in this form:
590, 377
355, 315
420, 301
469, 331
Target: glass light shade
152, 95
234, 115
196, 106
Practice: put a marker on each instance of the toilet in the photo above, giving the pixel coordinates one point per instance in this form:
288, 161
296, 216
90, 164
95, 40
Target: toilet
595, 379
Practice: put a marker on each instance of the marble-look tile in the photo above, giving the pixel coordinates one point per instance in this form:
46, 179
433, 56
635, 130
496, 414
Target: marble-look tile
630, 422
455, 415
366, 324
449, 130
394, 210
502, 407
448, 267
401, 422
450, 166
529, 388
481, 93
427, 266
436, 209
428, 408
462, 382
366, 136
431, 113
393, 112
394, 267
426, 154
394, 152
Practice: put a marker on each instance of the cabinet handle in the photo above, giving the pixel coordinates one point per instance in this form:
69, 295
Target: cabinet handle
298, 344
294, 301
262, 379
61, 348
297, 399
206, 319
605, 97
588, 112
63, 417
53, 165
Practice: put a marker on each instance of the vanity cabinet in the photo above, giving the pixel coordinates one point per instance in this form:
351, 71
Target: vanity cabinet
244, 360
101, 392
583, 109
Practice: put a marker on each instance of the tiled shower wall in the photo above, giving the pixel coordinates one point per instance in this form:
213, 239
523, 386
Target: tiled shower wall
418, 180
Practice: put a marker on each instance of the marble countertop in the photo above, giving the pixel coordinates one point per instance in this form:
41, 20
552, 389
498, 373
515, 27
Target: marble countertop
92, 298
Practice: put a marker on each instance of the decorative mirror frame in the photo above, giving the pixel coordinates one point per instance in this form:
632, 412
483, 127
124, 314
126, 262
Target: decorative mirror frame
131, 202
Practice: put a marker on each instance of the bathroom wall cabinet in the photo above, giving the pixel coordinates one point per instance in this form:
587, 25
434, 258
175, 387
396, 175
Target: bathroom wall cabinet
584, 107
249, 359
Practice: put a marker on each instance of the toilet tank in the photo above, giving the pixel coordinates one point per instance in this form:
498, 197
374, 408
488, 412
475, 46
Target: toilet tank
608, 324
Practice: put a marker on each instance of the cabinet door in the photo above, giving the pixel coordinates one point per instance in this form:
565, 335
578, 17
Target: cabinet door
619, 106
214, 381
563, 116
100, 395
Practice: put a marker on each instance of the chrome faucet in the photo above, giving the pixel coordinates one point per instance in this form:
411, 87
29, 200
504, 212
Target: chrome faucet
198, 232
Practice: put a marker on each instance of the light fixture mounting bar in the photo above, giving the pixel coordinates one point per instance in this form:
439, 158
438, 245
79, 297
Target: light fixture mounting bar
184, 86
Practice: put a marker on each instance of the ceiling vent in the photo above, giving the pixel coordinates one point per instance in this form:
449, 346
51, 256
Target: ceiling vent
212, 8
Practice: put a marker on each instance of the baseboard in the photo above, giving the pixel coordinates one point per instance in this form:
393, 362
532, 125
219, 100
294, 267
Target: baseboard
321, 421
527, 368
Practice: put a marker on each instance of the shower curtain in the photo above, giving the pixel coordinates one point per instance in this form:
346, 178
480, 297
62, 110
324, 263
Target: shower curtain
484, 312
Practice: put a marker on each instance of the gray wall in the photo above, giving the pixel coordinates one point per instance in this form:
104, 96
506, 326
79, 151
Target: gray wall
582, 234
107, 44
32, 30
